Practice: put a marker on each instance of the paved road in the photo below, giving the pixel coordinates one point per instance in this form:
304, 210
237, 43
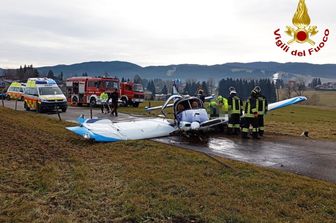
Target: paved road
316, 159
303, 156
74, 112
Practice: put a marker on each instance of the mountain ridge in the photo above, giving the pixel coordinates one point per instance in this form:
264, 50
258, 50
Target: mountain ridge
192, 71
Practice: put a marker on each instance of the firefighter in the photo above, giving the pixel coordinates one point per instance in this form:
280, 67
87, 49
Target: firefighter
222, 105
103, 99
262, 110
235, 111
115, 97
250, 117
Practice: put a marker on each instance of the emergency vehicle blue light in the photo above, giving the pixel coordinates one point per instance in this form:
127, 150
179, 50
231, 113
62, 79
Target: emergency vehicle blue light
41, 82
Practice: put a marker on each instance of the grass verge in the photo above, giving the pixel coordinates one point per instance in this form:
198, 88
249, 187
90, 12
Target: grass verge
48, 174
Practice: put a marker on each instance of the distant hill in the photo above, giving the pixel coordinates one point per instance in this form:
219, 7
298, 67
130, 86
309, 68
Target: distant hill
194, 71
315, 70
94, 68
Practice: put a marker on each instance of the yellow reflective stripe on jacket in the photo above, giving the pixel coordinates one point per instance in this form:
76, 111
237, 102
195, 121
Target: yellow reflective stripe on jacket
235, 103
248, 110
262, 109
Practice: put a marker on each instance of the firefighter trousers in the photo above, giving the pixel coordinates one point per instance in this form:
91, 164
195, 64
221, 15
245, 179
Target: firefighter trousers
234, 124
246, 123
261, 124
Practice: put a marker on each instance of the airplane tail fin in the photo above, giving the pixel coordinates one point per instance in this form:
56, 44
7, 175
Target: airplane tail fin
175, 91
81, 119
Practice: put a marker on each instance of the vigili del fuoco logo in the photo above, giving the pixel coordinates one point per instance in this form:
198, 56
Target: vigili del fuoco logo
302, 33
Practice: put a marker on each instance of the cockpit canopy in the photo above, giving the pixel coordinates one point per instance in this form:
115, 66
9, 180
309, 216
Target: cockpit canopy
190, 110
187, 104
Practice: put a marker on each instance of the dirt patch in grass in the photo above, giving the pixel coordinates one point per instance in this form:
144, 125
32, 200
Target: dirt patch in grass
47, 174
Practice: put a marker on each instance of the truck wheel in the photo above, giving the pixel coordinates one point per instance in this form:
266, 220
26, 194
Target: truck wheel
93, 102
135, 104
26, 106
22, 98
8, 98
64, 109
124, 102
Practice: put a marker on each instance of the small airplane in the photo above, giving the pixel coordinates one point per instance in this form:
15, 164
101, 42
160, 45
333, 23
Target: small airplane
190, 116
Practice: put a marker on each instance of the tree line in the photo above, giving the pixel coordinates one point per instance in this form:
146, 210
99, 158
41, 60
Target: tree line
28, 71
244, 87
22, 74
315, 82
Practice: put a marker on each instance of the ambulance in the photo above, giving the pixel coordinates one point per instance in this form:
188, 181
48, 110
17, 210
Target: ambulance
15, 91
43, 94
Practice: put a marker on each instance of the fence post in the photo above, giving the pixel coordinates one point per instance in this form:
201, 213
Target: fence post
149, 105
58, 114
16, 104
91, 110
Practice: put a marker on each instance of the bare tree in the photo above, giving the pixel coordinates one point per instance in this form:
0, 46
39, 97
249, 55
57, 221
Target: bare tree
300, 86
211, 85
290, 88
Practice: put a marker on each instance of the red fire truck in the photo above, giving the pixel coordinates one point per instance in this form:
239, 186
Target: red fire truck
87, 90
131, 93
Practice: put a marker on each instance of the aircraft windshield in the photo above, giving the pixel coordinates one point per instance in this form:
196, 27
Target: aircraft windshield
111, 85
50, 90
138, 88
193, 103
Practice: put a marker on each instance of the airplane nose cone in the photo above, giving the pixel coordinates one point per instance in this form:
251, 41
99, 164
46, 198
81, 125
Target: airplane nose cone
195, 125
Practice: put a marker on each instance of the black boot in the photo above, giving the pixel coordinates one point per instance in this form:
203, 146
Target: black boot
261, 132
245, 135
255, 135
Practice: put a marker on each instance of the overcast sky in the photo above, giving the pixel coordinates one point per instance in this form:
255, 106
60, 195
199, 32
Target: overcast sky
154, 32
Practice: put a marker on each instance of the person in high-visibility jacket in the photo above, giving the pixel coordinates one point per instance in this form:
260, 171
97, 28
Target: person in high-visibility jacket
222, 105
103, 99
213, 109
218, 106
250, 117
235, 106
262, 105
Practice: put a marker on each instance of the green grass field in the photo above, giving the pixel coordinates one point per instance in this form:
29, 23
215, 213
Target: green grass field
48, 174
318, 121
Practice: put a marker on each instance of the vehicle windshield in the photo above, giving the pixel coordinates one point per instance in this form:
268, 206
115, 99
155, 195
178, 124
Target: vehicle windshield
50, 90
138, 88
111, 85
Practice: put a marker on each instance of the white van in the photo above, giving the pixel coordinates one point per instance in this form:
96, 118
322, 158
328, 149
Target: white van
43, 94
